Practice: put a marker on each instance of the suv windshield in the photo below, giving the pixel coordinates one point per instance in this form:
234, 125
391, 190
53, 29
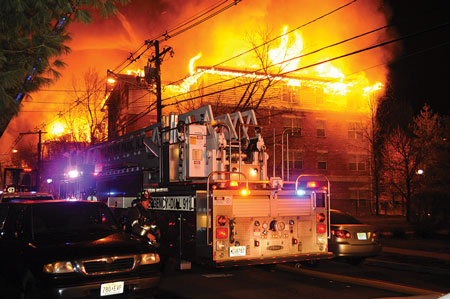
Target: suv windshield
342, 218
72, 217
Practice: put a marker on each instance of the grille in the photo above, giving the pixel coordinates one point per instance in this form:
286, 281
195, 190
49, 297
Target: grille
108, 265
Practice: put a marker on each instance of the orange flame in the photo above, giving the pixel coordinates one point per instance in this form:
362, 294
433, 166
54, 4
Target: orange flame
191, 63
286, 52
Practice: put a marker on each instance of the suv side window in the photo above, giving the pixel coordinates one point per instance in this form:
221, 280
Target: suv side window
3, 213
15, 223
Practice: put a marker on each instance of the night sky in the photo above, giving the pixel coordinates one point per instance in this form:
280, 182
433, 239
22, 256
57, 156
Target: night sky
423, 77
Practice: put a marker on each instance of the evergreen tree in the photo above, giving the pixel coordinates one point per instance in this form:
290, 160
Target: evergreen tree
32, 37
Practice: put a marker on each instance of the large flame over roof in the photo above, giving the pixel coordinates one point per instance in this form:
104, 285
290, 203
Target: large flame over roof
106, 43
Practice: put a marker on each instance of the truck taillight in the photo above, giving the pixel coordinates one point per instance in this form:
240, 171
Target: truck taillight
222, 220
221, 233
245, 192
321, 228
320, 217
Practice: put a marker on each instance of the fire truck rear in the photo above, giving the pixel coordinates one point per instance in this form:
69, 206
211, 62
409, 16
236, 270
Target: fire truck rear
210, 192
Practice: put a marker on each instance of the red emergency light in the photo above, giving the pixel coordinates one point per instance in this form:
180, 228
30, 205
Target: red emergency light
234, 184
311, 185
221, 233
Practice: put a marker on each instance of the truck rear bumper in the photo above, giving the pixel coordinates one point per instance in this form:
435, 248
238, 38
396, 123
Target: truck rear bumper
273, 260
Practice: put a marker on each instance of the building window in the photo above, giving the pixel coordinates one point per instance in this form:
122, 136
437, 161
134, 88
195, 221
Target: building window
294, 123
322, 160
360, 196
289, 94
296, 159
355, 130
357, 162
319, 96
320, 127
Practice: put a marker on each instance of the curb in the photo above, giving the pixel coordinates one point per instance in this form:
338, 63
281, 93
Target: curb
378, 284
428, 254
402, 266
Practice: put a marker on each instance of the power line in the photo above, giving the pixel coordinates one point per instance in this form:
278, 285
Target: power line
322, 62
284, 61
131, 57
254, 48
168, 34
163, 34
289, 32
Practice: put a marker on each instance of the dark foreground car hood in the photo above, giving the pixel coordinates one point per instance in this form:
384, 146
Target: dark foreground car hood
98, 244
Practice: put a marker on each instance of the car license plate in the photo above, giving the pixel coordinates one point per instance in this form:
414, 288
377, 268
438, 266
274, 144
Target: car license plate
238, 250
361, 236
111, 288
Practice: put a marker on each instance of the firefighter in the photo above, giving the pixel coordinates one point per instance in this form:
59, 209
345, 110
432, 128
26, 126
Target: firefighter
140, 220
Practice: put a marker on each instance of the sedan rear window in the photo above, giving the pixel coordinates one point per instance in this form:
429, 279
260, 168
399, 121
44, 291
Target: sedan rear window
342, 218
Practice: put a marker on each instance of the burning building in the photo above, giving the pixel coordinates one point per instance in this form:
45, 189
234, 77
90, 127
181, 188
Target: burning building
310, 124
314, 118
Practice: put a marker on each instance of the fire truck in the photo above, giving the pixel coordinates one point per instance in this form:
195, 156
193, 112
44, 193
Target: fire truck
19, 179
211, 195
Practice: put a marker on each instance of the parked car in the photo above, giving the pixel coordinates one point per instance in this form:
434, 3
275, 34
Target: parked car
351, 239
68, 249
6, 197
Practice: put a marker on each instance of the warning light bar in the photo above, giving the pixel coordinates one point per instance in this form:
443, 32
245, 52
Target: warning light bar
311, 185
300, 192
233, 184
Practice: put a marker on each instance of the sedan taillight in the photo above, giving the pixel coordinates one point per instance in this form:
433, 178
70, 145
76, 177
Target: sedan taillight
340, 233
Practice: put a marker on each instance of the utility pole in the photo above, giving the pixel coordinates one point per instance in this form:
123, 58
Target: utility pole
39, 154
153, 75
158, 82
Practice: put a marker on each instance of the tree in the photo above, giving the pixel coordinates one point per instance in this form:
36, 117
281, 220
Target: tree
261, 42
430, 203
375, 137
410, 151
33, 37
402, 162
90, 99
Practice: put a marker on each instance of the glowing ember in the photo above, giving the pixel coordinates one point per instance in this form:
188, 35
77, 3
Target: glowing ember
137, 72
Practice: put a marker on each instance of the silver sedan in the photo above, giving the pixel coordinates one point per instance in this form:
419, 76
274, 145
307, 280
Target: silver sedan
351, 239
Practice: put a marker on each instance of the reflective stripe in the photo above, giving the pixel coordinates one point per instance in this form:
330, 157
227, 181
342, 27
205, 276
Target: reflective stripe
134, 223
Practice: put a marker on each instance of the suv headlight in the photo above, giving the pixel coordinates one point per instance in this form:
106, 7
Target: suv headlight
58, 267
149, 258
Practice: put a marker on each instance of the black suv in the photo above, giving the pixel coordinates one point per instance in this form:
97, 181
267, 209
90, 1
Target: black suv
6, 197
71, 249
